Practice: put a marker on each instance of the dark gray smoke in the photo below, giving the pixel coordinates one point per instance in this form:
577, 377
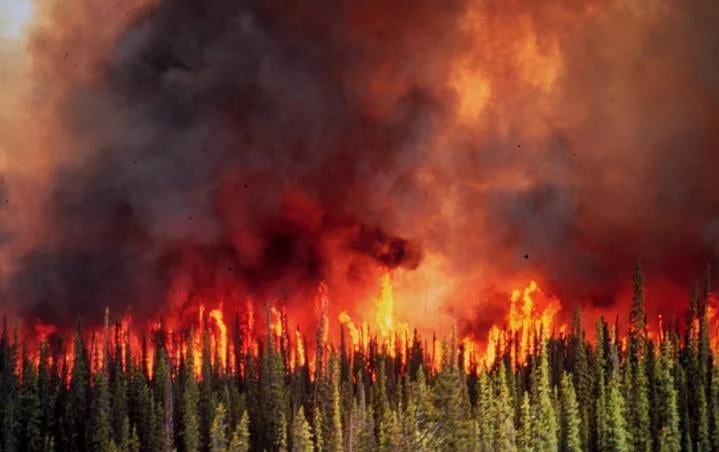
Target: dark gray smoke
229, 146
228, 149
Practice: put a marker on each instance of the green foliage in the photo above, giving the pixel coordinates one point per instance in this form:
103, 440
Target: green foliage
571, 394
218, 430
240, 441
524, 437
504, 434
190, 401
667, 411
449, 390
101, 429
638, 391
570, 419
301, 436
544, 419
30, 409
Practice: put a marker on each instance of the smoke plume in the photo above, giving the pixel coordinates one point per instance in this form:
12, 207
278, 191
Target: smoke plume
237, 149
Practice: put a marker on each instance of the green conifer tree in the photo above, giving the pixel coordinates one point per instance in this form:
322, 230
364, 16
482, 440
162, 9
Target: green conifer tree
613, 417
206, 405
426, 414
118, 391
366, 440
317, 417
190, 434
129, 440
78, 408
697, 419
241, 436
332, 417
274, 415
454, 429
218, 431
583, 377
715, 404
545, 425
101, 426
301, 436
30, 409
485, 412
570, 418
141, 409
9, 390
504, 435
524, 437
669, 438
638, 393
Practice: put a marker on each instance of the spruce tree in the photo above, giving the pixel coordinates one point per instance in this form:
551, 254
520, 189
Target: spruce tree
332, 417
715, 404
162, 383
485, 411
274, 415
48, 387
426, 414
101, 426
638, 393
583, 377
206, 405
129, 441
668, 414
613, 417
30, 409
79, 397
504, 435
454, 430
9, 390
545, 426
241, 436
570, 418
218, 431
141, 409
600, 374
190, 400
366, 440
411, 434
524, 437
301, 436
118, 391
697, 421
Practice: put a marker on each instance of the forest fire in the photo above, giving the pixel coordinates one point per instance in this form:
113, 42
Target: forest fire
530, 315
343, 200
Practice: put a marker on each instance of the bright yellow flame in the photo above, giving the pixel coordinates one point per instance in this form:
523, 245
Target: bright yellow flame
346, 320
531, 316
221, 340
300, 346
385, 307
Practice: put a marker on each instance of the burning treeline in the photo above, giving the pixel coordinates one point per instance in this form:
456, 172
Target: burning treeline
530, 317
161, 156
226, 389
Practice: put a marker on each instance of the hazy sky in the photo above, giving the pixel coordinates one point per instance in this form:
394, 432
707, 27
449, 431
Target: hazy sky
14, 14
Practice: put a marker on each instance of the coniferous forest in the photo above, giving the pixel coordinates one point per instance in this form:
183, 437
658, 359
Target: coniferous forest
622, 391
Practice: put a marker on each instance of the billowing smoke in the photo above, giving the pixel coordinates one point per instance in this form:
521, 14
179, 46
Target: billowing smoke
237, 149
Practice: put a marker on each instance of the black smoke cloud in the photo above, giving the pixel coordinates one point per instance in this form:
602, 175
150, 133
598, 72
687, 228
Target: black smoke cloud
240, 147
200, 130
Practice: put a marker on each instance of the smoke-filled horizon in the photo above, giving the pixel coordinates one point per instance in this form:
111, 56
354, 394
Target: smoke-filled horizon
168, 151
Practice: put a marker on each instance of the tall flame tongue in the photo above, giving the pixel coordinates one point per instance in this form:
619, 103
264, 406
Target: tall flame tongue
530, 317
